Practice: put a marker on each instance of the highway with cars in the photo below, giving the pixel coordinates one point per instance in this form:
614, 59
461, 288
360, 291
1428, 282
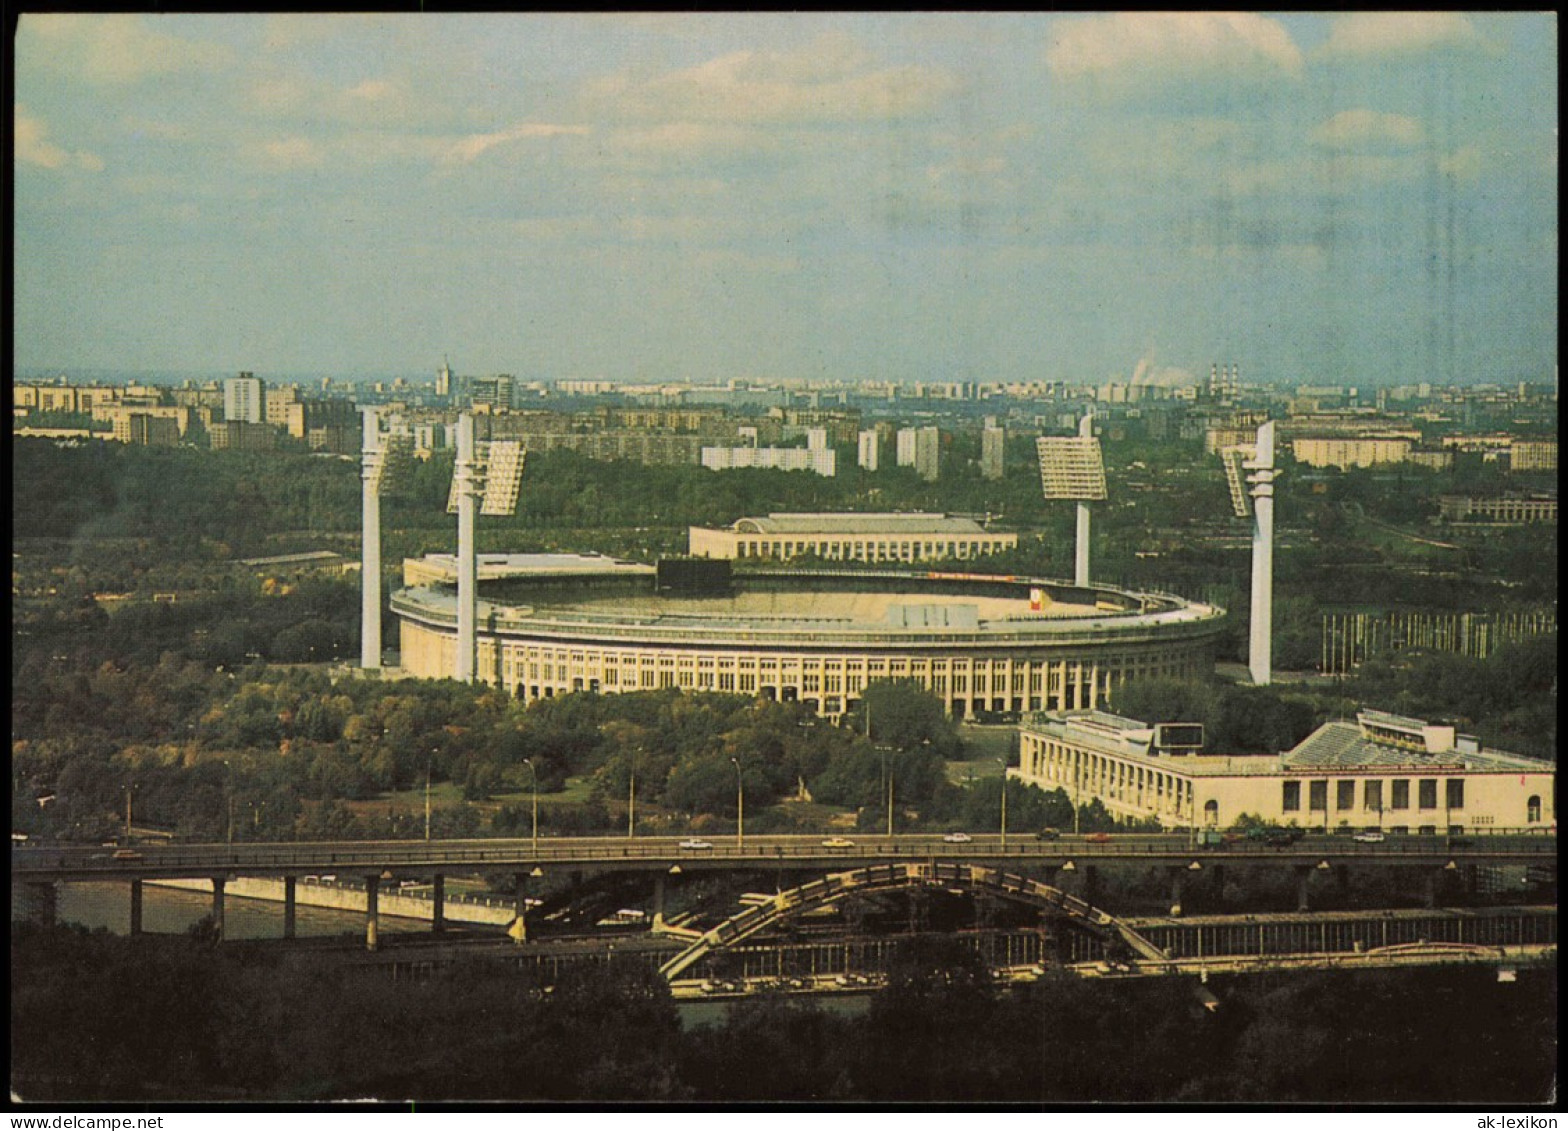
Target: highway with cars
36, 862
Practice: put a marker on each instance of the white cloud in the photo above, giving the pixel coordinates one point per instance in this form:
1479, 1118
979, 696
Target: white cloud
1464, 164
1397, 33
113, 49
1134, 47
1367, 129
33, 147
470, 148
831, 80
286, 153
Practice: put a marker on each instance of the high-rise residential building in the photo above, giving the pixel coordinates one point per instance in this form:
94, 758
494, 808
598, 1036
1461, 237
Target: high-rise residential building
494, 392
868, 449
993, 442
276, 401
928, 453
1533, 455
905, 453
244, 399
823, 461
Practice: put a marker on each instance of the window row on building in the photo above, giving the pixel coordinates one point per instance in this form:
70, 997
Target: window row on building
828, 681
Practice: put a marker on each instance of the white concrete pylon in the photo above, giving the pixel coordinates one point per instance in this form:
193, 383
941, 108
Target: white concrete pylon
1261, 480
371, 457
467, 560
1081, 552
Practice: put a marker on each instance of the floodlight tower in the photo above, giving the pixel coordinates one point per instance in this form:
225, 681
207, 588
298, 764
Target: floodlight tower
485, 480
1255, 497
381, 457
1072, 468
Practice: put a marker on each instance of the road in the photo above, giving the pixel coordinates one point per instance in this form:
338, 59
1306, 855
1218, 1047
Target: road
403, 857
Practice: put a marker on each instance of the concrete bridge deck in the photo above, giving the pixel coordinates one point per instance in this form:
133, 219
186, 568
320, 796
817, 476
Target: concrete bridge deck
185, 861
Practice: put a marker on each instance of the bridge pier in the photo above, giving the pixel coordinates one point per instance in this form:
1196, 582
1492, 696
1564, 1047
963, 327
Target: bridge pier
1177, 876
41, 901
1303, 878
290, 908
218, 884
136, 907
521, 906
1217, 879
1091, 883
372, 912
658, 902
1434, 880
438, 902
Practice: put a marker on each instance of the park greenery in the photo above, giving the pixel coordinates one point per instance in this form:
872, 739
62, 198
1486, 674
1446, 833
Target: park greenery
98, 1018
148, 659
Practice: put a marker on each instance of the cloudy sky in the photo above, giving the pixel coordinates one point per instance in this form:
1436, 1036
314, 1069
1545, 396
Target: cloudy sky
991, 197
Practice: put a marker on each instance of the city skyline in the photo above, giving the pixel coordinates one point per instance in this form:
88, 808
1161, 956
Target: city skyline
1367, 198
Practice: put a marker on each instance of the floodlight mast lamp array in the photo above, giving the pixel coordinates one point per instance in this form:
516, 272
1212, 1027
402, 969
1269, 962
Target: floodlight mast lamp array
483, 482
1072, 469
383, 459
1249, 472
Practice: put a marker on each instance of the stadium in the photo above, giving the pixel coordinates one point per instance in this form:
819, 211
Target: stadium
988, 646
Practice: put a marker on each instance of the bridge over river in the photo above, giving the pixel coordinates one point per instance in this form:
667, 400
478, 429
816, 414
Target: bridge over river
993, 863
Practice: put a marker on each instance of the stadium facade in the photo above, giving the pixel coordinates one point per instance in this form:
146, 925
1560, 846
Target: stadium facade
985, 645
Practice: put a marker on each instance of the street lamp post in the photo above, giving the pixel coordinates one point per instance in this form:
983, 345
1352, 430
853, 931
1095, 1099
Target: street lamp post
427, 801
631, 798
533, 776
128, 790
887, 773
1003, 763
740, 805
228, 776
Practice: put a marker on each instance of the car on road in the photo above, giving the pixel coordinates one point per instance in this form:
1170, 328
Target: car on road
1098, 838
1048, 834
1371, 836
127, 854
1461, 842
694, 845
958, 838
838, 842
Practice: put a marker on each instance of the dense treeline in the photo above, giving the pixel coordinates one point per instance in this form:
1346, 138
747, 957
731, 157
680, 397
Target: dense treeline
101, 1018
287, 750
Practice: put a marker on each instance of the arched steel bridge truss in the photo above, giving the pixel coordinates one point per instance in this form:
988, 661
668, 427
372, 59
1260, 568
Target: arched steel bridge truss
978, 878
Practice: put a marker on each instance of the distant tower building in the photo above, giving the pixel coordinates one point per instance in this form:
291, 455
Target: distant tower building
244, 399
444, 380
906, 447
1224, 383
993, 441
493, 392
928, 453
868, 449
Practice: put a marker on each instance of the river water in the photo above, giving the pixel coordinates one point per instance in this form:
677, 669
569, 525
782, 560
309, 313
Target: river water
172, 911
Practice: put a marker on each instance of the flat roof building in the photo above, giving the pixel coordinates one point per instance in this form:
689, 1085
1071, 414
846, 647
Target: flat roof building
1383, 771
860, 537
